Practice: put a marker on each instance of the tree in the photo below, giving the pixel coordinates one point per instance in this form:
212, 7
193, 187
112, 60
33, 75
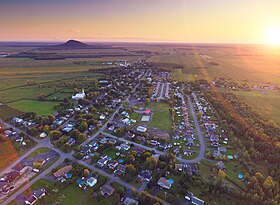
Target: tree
86, 172
147, 101
130, 158
42, 97
46, 129
54, 134
130, 171
151, 163
221, 175
121, 191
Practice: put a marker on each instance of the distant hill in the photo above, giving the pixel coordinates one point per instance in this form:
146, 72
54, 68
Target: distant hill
71, 44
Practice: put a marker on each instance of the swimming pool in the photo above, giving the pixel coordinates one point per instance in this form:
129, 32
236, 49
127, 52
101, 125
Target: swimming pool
171, 181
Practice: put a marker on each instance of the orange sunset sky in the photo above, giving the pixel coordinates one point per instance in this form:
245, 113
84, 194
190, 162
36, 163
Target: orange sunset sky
203, 21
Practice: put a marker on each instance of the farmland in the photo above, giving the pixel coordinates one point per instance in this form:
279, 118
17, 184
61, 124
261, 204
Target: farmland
8, 154
267, 104
238, 63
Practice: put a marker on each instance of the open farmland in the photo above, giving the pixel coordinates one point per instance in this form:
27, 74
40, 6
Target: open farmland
267, 104
243, 63
8, 154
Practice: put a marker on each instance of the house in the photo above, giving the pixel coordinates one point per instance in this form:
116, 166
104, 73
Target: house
36, 195
141, 129
43, 135
192, 169
216, 154
147, 112
190, 142
120, 169
103, 161
145, 176
30, 200
222, 149
104, 140
194, 200
125, 147
221, 165
107, 190
71, 141
145, 118
91, 181
79, 96
163, 146
86, 150
62, 171
39, 193
113, 164
179, 167
112, 141
197, 201
102, 117
130, 201
164, 183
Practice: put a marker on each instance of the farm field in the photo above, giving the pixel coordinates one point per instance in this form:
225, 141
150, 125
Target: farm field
39, 107
267, 104
238, 63
8, 154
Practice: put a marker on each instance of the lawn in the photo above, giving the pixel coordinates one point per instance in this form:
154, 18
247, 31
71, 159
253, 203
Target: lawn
161, 117
7, 154
39, 107
39, 151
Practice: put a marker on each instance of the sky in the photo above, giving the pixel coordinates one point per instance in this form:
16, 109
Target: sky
193, 21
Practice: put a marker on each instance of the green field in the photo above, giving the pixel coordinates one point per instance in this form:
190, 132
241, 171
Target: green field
178, 75
266, 104
39, 151
39, 107
161, 117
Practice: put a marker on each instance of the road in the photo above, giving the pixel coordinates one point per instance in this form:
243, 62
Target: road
198, 131
21, 190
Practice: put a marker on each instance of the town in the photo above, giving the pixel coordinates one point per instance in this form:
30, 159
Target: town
133, 135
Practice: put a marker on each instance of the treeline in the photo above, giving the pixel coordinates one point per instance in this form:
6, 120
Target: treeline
258, 142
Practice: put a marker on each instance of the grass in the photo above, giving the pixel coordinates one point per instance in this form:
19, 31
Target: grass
8, 154
39, 151
39, 107
161, 117
266, 104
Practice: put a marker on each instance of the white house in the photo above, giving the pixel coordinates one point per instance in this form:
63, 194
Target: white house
78, 96
141, 129
91, 181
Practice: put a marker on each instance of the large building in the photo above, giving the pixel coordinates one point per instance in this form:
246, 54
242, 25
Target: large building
79, 96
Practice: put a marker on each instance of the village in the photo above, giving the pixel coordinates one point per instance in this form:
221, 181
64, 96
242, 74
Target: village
134, 136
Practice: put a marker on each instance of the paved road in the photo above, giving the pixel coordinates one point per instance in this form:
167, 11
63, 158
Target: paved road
198, 131
150, 148
41, 175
